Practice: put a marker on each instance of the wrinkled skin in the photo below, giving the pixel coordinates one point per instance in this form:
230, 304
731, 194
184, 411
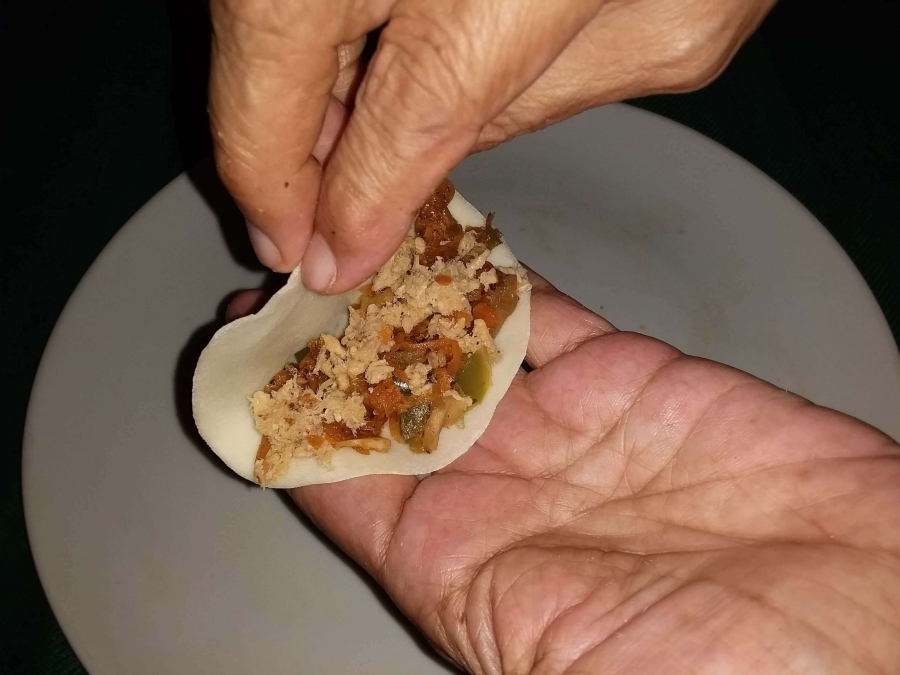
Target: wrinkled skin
329, 158
634, 510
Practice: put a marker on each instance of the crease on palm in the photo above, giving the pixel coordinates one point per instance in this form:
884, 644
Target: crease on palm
655, 514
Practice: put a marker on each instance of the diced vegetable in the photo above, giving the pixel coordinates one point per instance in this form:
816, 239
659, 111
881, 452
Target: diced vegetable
394, 423
307, 365
443, 379
298, 356
504, 298
315, 380
432, 430
456, 408
419, 332
371, 427
412, 421
281, 378
358, 385
403, 359
403, 343
386, 399
310, 354
486, 313
437, 202
364, 445
378, 299
444, 192
474, 378
263, 449
488, 235
465, 316
475, 296
450, 349
336, 432
438, 228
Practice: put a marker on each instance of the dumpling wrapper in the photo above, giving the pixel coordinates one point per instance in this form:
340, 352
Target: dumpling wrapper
244, 355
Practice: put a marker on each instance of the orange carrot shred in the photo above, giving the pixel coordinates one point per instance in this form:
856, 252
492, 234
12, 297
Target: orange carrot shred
263, 450
486, 313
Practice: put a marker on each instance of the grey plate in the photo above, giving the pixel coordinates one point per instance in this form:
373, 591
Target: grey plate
156, 560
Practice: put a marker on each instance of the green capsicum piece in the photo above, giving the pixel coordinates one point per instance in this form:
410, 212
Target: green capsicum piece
474, 377
412, 422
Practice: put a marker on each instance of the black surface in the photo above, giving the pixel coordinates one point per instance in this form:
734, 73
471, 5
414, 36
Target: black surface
104, 103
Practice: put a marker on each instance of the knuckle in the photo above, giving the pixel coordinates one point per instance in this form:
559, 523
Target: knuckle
493, 134
243, 17
698, 47
696, 64
535, 109
505, 126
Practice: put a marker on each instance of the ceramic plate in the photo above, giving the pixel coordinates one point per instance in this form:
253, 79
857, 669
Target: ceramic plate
157, 560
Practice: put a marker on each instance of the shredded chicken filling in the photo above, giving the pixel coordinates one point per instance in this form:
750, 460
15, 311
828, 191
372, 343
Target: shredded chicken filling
417, 352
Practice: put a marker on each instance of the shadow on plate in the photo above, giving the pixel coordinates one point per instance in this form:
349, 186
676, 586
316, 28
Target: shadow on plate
204, 178
377, 591
183, 381
231, 221
184, 373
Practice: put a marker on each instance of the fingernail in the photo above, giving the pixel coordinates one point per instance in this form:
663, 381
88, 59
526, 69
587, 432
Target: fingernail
319, 269
265, 250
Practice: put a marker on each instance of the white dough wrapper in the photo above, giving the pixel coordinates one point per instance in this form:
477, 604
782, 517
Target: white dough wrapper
243, 356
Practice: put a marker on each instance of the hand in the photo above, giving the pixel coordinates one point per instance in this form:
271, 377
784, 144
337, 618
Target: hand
330, 158
631, 509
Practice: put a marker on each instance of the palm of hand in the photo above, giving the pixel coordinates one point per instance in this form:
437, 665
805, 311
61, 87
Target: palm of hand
634, 510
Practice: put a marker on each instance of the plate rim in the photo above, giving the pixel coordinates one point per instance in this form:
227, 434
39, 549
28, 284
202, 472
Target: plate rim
30, 494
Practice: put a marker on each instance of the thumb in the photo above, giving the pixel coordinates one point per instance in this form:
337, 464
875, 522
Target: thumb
278, 73
440, 73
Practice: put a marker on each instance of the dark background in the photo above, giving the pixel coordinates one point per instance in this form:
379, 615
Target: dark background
104, 103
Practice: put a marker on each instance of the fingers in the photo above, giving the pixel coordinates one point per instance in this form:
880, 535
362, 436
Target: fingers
350, 70
244, 303
274, 66
441, 71
629, 50
359, 515
445, 76
558, 323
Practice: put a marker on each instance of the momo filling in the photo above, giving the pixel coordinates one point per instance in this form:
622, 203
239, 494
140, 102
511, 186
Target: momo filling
417, 353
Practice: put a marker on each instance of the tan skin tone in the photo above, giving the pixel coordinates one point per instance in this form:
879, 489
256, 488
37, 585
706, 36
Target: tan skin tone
329, 158
630, 509
634, 510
